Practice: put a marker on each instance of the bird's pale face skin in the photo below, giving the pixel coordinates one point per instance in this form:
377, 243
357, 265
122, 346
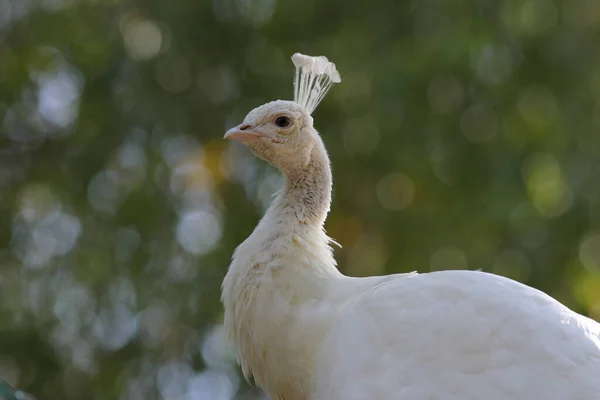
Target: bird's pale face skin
280, 132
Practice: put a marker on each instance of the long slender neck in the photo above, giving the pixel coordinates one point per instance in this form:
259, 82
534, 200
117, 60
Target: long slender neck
282, 268
307, 190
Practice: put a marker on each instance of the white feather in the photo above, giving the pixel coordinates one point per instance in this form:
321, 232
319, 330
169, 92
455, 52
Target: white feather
457, 335
314, 78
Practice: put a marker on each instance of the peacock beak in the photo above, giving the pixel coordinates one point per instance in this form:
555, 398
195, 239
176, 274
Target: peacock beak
242, 134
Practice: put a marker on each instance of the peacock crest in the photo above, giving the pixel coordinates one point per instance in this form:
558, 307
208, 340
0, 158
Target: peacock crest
314, 78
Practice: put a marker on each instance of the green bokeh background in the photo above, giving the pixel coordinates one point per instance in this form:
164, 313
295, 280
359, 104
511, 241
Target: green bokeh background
464, 134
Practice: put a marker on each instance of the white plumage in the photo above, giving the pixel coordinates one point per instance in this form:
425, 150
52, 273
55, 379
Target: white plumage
304, 331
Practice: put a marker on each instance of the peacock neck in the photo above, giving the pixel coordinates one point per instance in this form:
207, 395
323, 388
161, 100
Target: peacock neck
306, 194
282, 271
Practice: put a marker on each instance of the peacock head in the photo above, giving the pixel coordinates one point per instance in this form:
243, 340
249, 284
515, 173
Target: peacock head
282, 132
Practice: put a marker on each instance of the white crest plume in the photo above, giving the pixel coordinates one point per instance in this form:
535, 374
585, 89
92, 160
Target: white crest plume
314, 77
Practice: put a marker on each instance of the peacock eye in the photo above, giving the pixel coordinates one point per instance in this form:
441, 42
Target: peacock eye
282, 122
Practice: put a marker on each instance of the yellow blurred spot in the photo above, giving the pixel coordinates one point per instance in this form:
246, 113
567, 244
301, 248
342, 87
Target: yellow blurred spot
589, 252
595, 312
212, 158
587, 290
548, 192
203, 167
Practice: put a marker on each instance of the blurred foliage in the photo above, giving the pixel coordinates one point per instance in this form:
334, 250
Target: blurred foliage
7, 392
465, 134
